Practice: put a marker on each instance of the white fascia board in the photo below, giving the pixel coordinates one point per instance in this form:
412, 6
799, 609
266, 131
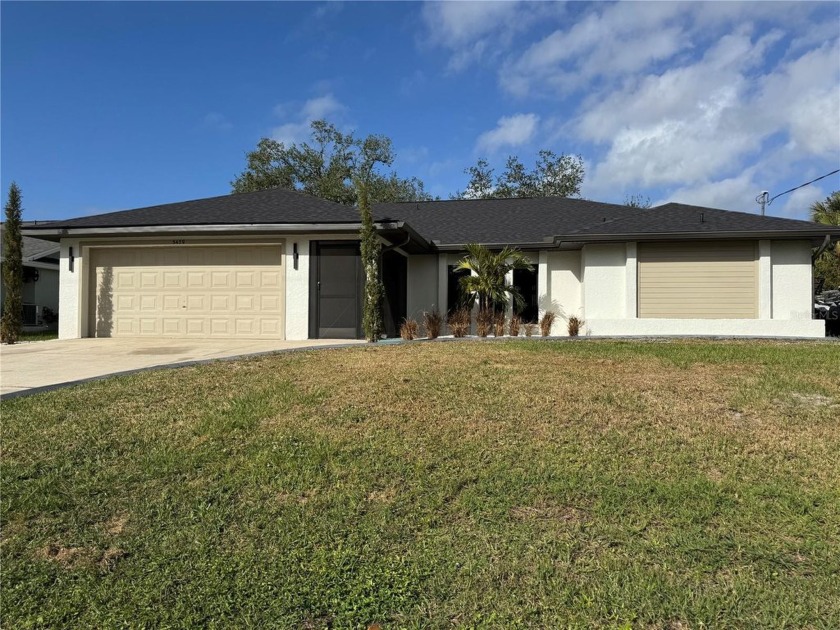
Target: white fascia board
40, 265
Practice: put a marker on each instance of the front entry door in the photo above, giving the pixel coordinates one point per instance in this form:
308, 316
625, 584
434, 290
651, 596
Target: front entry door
337, 286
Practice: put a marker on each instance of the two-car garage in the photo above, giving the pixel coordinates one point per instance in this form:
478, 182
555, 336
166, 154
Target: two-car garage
186, 291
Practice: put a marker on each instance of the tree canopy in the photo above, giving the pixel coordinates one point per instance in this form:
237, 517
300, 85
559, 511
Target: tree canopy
827, 265
637, 201
552, 176
827, 212
328, 165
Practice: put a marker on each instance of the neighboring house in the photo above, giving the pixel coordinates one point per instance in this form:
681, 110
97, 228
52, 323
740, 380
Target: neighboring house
40, 281
281, 264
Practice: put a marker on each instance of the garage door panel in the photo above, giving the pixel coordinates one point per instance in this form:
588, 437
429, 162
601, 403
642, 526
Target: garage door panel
220, 303
196, 326
149, 303
269, 327
150, 326
148, 280
124, 327
220, 280
171, 326
710, 280
224, 291
246, 302
270, 279
197, 280
245, 280
221, 327
166, 302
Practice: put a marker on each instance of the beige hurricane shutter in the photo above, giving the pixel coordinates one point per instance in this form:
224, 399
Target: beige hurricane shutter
703, 280
189, 291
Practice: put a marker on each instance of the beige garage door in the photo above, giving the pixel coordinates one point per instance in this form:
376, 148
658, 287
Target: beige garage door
708, 280
199, 291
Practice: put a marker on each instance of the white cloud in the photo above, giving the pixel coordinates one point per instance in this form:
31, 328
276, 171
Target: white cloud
731, 193
611, 40
475, 30
510, 131
699, 102
297, 130
691, 127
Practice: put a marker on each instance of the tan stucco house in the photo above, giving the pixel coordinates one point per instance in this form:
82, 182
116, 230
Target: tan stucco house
281, 264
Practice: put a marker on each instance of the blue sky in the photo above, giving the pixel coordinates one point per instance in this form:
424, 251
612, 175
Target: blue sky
109, 106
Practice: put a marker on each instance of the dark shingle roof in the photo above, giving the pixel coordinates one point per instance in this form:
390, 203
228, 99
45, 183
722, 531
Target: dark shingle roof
513, 221
677, 218
277, 205
488, 221
32, 247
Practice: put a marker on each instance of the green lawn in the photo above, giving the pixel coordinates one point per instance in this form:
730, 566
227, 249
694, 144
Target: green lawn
528, 483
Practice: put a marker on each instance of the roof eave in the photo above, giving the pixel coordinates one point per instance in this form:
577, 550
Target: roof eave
57, 233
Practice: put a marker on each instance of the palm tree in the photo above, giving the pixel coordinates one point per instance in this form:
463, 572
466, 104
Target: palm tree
487, 275
827, 212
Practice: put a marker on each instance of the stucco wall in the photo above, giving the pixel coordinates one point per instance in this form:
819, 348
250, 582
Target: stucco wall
564, 287
422, 286
297, 288
784, 293
792, 280
604, 281
70, 291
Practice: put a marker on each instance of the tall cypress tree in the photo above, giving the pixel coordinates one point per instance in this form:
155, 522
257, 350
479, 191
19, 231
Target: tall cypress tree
371, 252
10, 325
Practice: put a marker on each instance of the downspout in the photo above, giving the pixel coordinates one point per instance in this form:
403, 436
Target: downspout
819, 250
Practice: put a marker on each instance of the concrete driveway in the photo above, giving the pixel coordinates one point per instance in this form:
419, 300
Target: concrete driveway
38, 365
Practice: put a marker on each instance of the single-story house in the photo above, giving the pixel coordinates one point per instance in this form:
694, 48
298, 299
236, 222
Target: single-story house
278, 263
40, 282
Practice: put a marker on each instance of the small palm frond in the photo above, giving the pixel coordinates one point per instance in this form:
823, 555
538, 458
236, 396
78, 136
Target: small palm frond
827, 212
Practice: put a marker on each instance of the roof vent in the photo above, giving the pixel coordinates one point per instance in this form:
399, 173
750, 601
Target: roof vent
702, 218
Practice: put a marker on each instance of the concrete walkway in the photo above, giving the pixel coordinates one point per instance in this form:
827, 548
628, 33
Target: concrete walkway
39, 365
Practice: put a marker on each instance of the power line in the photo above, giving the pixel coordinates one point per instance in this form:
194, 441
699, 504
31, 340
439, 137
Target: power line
764, 198
803, 185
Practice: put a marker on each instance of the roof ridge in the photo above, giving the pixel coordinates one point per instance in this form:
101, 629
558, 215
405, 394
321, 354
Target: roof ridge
741, 212
497, 199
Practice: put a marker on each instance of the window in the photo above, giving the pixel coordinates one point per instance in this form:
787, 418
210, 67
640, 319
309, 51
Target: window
455, 297
526, 282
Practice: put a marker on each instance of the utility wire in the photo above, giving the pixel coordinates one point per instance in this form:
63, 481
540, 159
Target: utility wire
769, 201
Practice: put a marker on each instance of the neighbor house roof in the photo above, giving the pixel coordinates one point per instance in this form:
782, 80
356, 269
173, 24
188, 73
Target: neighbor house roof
447, 224
33, 248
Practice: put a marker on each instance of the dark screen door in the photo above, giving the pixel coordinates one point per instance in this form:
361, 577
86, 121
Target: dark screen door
338, 286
